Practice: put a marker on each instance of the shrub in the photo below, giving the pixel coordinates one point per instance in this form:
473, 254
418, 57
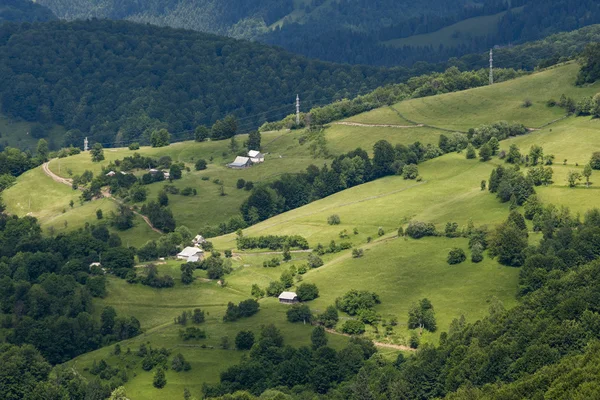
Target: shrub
333, 219
188, 191
249, 185
355, 300
244, 309
357, 253
456, 256
527, 103
244, 340
299, 313
353, 327
192, 333
477, 253
410, 171
159, 380
329, 318
314, 261
200, 165
417, 230
380, 231
134, 146
240, 184
413, 341
307, 292
595, 161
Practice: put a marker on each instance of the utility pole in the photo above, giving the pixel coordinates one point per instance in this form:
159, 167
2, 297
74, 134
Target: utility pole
85, 144
491, 66
297, 110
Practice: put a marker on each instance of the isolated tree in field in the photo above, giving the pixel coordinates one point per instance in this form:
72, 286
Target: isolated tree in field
595, 161
514, 154
485, 152
201, 133
333, 219
160, 380
253, 141
187, 273
200, 165
97, 152
299, 313
234, 145
483, 185
456, 256
286, 279
99, 214
42, 150
471, 154
160, 138
314, 261
587, 173
422, 316
244, 340
307, 292
536, 154
257, 292
573, 177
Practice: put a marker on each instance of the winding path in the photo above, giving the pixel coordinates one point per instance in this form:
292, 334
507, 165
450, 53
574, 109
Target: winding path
105, 193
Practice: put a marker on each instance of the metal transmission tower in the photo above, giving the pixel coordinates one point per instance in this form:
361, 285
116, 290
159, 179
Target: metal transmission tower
491, 66
85, 144
297, 110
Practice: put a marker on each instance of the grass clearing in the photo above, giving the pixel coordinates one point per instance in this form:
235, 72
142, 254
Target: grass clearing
501, 101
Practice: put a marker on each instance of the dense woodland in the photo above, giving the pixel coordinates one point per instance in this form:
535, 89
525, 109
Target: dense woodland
21, 11
104, 77
351, 31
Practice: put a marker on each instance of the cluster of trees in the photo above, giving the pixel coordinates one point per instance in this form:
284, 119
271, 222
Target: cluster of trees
145, 65
272, 364
271, 242
166, 245
590, 70
354, 168
47, 286
510, 184
244, 309
24, 11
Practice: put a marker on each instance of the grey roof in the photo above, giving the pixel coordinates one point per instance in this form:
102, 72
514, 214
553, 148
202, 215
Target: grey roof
193, 259
255, 154
288, 296
240, 161
190, 251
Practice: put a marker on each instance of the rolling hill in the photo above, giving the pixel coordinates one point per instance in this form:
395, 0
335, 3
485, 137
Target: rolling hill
400, 270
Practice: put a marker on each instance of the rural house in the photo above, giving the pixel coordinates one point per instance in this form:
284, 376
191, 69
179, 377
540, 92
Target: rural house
240, 162
191, 254
288, 298
199, 239
111, 173
256, 156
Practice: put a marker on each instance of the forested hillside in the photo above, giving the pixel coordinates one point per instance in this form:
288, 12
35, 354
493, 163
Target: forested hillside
24, 10
352, 31
108, 77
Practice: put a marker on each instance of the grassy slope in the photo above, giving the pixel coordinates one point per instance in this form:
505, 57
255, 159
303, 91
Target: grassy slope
16, 134
401, 271
468, 28
502, 101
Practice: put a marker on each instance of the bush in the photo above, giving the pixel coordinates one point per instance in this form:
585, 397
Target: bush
333, 219
456, 256
249, 185
353, 327
240, 184
357, 253
192, 333
307, 292
414, 341
200, 165
134, 146
417, 230
410, 171
329, 318
244, 340
314, 261
275, 288
299, 313
527, 103
354, 301
159, 380
595, 161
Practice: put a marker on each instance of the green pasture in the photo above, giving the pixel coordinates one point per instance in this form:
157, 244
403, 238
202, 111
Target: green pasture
500, 102
460, 33
17, 134
383, 115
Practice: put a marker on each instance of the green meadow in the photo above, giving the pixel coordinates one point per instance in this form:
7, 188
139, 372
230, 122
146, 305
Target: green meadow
400, 270
460, 33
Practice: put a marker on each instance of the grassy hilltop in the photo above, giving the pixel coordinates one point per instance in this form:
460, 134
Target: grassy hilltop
401, 271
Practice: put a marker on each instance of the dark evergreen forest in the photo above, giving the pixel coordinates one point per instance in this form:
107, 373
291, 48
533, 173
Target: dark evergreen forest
21, 11
104, 77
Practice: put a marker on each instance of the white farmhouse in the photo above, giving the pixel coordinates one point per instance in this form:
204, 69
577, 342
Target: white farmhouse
191, 254
256, 156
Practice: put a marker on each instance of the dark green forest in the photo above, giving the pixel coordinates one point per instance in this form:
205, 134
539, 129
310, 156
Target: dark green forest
24, 11
349, 31
104, 77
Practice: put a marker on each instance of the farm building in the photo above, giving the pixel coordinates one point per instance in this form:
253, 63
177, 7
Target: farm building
256, 156
240, 162
199, 239
111, 173
288, 298
191, 254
